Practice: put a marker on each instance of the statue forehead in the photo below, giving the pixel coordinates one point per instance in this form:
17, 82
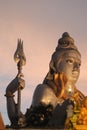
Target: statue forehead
72, 54
61, 55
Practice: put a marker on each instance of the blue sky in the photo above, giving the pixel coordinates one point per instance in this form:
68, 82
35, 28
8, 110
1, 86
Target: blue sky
39, 23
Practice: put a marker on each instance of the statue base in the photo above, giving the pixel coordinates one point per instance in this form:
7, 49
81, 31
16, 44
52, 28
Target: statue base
78, 127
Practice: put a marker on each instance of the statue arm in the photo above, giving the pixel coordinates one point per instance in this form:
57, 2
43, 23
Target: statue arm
13, 86
44, 101
11, 105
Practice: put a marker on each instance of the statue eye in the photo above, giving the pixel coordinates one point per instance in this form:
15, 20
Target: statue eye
69, 61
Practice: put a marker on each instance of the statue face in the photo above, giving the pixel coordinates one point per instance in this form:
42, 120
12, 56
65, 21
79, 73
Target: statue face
69, 64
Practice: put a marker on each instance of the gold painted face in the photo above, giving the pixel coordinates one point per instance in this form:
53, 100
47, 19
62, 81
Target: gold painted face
69, 64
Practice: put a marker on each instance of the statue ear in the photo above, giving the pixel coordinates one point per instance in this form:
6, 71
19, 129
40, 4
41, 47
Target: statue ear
52, 70
52, 67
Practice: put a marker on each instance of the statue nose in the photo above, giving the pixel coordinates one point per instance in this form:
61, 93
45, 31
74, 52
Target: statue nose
76, 66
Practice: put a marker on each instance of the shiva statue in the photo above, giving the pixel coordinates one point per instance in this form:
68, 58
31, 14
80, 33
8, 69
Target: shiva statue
51, 98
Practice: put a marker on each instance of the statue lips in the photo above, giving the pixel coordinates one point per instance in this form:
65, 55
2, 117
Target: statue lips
75, 74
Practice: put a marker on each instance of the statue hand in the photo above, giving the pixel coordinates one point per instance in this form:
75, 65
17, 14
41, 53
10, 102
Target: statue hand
14, 85
21, 81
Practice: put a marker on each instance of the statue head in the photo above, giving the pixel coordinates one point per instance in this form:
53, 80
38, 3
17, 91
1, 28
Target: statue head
66, 59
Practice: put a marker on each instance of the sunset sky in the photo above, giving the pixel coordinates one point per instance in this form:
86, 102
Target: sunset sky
39, 23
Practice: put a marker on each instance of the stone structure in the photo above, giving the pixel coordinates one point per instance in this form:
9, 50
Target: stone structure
54, 100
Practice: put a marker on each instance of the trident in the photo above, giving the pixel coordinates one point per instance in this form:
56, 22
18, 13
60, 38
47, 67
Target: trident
20, 59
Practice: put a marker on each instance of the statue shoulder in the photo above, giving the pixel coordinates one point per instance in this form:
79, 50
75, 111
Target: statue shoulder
44, 94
